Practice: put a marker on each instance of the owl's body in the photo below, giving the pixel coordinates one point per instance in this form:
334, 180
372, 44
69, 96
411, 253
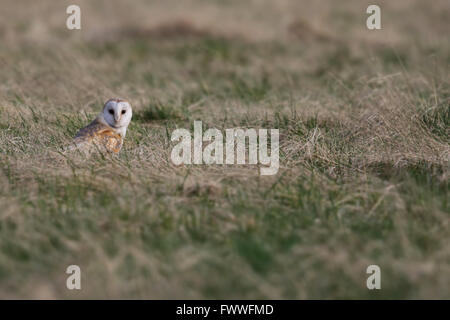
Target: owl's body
107, 131
99, 135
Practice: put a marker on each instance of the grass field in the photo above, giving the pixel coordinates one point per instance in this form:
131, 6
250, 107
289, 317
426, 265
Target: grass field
364, 120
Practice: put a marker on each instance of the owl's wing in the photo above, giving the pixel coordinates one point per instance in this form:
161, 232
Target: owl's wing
108, 139
87, 133
96, 134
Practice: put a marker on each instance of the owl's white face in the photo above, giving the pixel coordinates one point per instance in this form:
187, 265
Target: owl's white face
117, 113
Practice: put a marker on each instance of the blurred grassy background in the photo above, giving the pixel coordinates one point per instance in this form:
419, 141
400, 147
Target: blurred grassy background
364, 118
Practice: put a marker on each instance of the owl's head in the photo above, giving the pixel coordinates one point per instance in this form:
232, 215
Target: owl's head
117, 113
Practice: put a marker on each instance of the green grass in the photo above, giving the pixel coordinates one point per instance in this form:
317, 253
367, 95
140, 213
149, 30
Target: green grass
363, 179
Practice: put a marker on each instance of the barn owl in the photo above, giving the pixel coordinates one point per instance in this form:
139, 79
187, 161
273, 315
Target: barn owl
108, 129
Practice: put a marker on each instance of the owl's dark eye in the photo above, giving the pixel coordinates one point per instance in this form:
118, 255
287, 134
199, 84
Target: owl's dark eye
123, 111
111, 111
